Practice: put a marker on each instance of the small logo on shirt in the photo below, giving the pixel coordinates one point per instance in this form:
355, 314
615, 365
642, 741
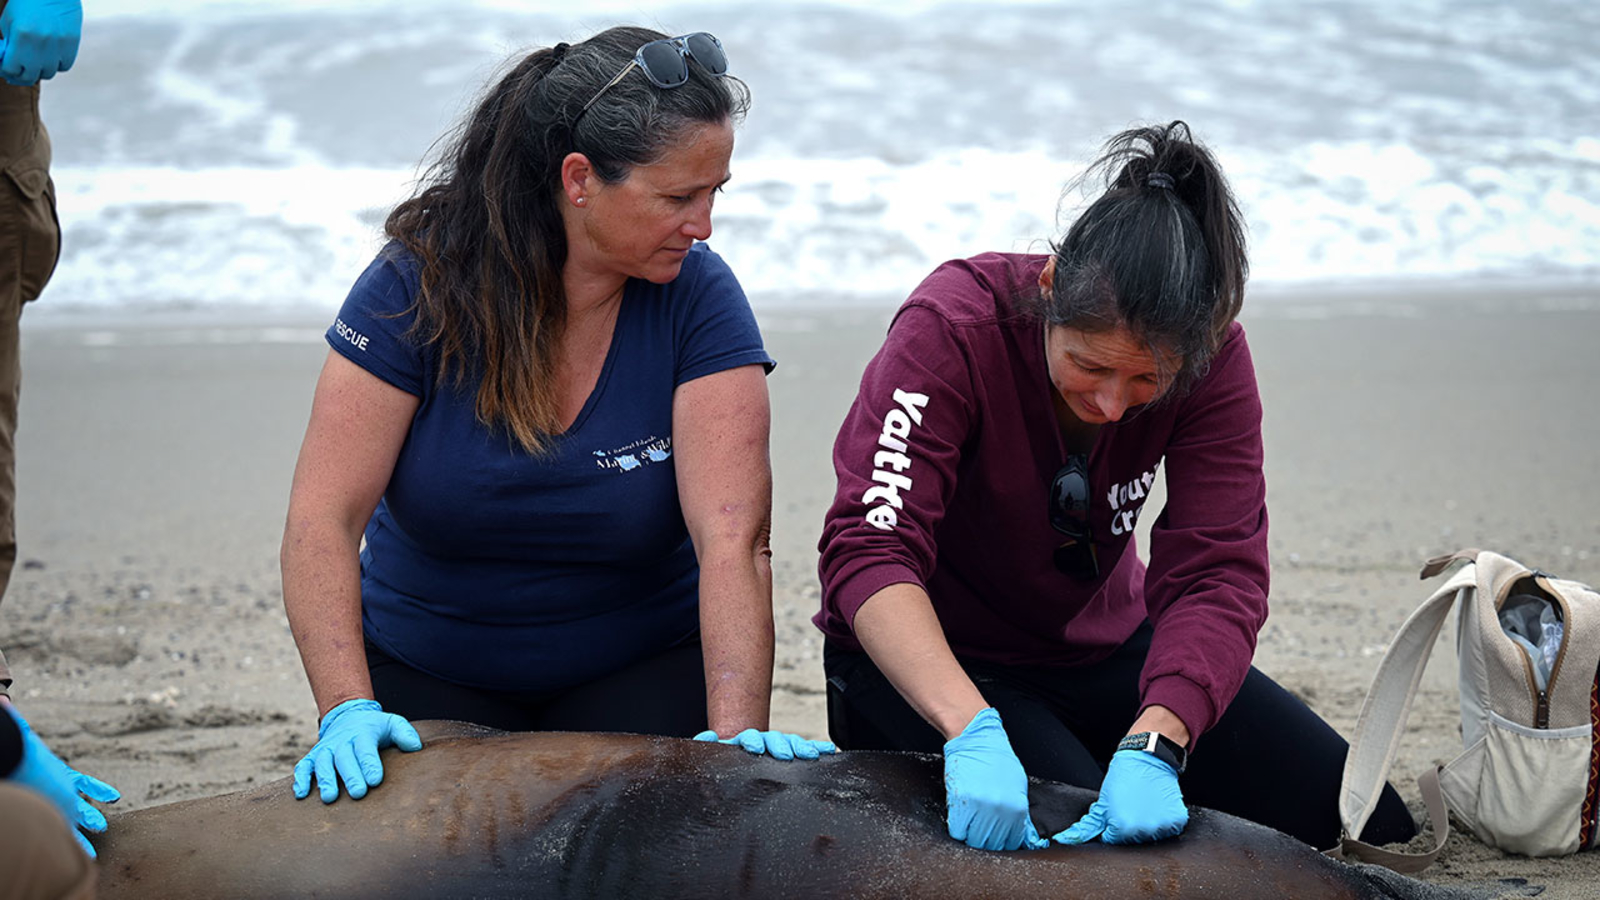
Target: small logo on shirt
355, 337
640, 453
890, 463
1127, 500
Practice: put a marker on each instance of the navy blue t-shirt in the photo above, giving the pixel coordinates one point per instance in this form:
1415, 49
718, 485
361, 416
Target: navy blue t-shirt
490, 568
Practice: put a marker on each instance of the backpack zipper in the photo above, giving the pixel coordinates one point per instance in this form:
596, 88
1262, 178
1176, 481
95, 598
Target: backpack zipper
1541, 698
1542, 708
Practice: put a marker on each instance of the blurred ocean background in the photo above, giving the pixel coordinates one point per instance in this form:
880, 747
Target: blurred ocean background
239, 157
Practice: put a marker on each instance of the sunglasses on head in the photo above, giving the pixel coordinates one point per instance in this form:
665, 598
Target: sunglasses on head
1069, 514
666, 62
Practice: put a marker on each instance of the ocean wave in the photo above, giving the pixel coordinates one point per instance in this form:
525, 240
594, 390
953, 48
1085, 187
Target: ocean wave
831, 231
225, 152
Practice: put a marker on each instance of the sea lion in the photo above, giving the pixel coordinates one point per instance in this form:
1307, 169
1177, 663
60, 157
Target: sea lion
482, 813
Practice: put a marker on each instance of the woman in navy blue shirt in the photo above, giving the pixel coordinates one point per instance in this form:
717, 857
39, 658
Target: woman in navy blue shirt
545, 412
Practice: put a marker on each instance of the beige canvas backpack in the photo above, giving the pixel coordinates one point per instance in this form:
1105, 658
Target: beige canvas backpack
1527, 777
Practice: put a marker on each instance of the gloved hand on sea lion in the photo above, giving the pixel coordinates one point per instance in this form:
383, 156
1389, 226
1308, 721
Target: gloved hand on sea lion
347, 748
1140, 801
777, 744
986, 790
61, 784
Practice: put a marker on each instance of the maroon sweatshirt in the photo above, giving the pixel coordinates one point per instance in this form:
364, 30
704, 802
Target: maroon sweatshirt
944, 465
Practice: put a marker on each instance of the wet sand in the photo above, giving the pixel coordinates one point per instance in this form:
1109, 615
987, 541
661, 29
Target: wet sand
145, 623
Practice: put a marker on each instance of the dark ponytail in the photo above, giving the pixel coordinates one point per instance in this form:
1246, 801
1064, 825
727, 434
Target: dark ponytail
1161, 251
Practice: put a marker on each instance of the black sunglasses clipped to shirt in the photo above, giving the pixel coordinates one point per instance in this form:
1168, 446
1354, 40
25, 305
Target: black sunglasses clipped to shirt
666, 62
1069, 514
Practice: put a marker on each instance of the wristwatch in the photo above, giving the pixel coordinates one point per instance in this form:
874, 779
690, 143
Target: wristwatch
1160, 746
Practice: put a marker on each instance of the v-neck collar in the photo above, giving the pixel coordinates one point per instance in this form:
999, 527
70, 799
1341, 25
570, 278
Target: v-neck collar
599, 388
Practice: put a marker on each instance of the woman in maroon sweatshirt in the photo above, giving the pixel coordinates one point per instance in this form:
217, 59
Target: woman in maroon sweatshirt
978, 560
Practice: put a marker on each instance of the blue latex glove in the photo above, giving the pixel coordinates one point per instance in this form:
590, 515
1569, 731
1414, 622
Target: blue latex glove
777, 744
62, 785
1139, 802
38, 38
986, 791
347, 749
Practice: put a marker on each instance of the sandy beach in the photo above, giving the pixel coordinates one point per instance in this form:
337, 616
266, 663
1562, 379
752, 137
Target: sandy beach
145, 622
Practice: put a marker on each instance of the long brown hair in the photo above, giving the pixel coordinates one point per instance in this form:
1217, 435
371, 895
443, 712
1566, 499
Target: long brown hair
486, 226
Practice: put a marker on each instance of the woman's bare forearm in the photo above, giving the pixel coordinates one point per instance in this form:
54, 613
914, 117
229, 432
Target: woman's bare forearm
900, 631
322, 598
736, 636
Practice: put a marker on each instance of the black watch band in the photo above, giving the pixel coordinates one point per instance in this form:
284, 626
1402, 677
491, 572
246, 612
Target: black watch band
1160, 746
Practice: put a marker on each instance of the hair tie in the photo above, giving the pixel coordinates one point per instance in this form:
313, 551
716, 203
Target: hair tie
559, 51
1159, 180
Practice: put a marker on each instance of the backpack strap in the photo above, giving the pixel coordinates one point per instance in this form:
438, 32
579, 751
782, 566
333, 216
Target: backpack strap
1399, 860
1383, 718
1439, 563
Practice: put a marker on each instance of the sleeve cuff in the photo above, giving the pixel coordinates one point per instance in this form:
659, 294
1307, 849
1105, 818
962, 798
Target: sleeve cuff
374, 365
756, 356
859, 586
1187, 700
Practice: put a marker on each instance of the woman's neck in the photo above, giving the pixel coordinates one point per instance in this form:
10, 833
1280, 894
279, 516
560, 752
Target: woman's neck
588, 296
1077, 436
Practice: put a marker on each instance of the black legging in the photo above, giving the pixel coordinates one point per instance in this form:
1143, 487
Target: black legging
664, 695
1269, 759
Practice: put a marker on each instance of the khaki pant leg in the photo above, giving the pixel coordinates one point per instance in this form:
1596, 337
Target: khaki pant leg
30, 242
39, 858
